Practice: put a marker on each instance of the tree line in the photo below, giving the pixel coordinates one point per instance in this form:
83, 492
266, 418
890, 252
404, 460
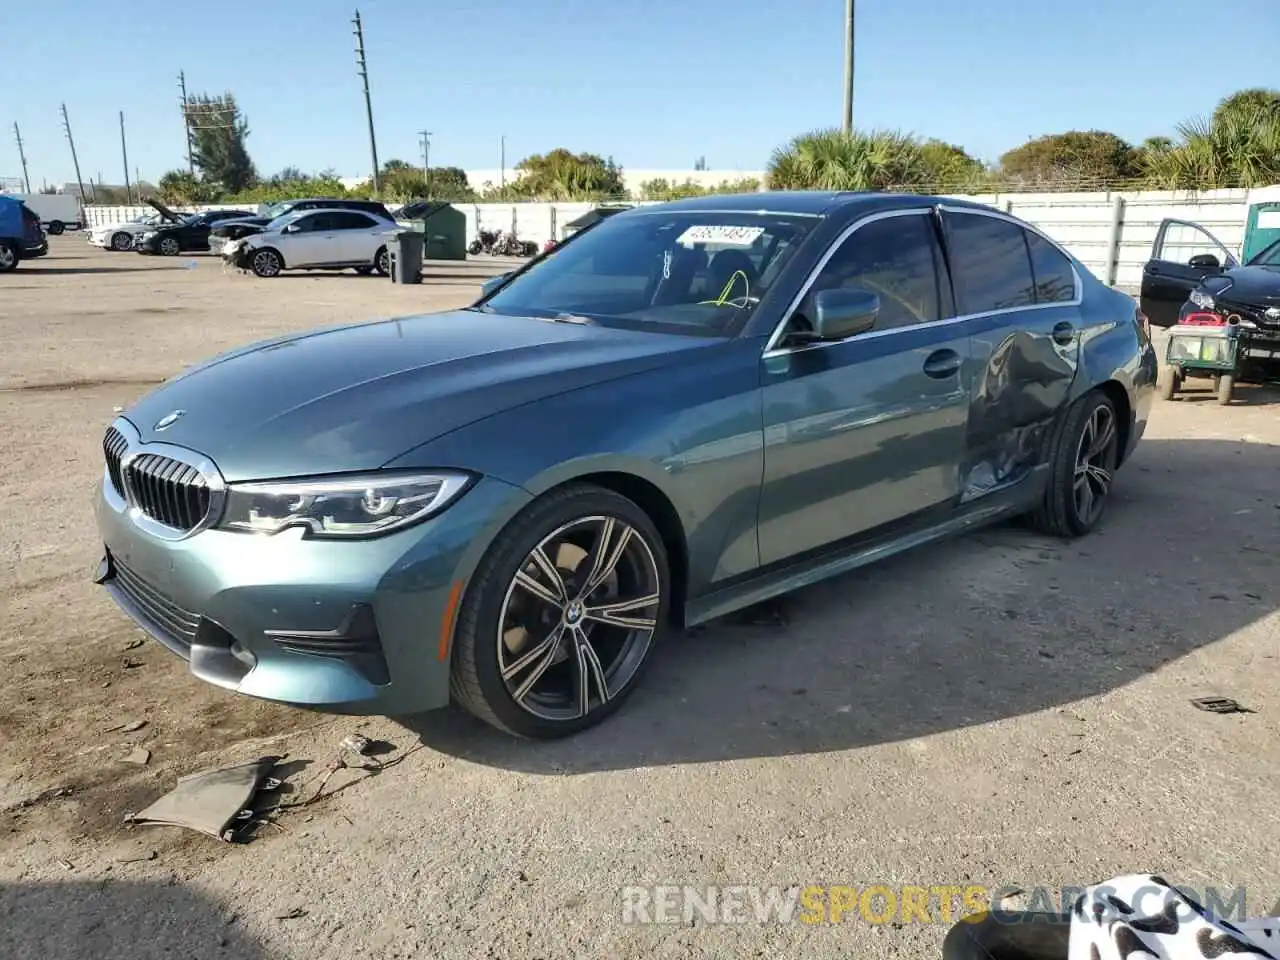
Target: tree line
1238, 145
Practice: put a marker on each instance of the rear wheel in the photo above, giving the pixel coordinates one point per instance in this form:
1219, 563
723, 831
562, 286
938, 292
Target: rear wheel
8, 256
1226, 387
559, 621
382, 262
56, 227
121, 241
1086, 452
1168, 382
266, 263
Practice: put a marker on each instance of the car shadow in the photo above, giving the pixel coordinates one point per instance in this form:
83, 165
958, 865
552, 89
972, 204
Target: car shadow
56, 271
118, 920
1244, 395
993, 625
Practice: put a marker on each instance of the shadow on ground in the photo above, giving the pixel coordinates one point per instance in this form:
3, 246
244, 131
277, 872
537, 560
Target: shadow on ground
1244, 395
75, 271
122, 919
997, 624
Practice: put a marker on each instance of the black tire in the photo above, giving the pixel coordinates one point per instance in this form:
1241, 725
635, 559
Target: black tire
121, 241
56, 227
474, 247
382, 262
490, 604
1168, 381
1068, 511
1226, 387
168, 247
266, 263
364, 271
9, 256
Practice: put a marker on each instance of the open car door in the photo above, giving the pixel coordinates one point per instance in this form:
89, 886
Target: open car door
1184, 254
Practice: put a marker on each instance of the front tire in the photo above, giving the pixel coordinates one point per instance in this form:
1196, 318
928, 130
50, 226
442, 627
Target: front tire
8, 256
1226, 387
1168, 382
266, 263
121, 242
169, 247
56, 227
560, 620
1086, 453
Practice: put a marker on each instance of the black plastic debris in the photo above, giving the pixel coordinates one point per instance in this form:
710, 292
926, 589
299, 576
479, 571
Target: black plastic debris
1219, 705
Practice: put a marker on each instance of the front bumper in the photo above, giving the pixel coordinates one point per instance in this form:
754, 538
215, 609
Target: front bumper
348, 627
99, 240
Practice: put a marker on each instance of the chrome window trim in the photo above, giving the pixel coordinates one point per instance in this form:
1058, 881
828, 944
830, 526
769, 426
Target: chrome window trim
772, 349
125, 501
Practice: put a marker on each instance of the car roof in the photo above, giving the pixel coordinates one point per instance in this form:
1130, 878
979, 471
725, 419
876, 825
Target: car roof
803, 202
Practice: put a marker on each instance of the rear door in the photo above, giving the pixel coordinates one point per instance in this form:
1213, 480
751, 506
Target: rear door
1021, 297
1180, 259
354, 240
864, 433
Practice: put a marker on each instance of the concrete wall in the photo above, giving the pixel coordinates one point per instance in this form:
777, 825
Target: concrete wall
1081, 222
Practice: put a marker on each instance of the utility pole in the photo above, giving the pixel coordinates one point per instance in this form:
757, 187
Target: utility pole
502, 162
66, 126
124, 153
368, 103
22, 156
848, 66
426, 158
186, 121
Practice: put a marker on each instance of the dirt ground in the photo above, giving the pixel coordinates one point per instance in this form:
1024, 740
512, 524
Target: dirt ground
999, 709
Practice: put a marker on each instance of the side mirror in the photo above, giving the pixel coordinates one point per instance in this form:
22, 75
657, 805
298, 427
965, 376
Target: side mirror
1204, 261
843, 312
493, 283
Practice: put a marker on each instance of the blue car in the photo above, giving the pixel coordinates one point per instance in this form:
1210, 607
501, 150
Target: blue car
21, 236
681, 410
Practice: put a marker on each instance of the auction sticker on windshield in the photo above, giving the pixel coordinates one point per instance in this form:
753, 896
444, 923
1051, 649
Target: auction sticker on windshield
724, 235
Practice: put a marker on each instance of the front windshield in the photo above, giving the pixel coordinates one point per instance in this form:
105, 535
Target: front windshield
273, 210
691, 272
1267, 257
279, 223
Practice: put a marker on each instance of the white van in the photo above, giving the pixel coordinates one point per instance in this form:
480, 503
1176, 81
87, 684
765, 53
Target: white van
57, 211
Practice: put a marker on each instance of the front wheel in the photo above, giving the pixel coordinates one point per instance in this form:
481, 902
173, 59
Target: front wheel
1226, 386
56, 227
1168, 382
8, 256
562, 614
1084, 459
266, 263
169, 247
121, 242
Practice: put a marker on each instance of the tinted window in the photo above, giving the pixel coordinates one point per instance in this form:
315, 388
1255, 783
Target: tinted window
1055, 280
312, 223
350, 221
896, 258
992, 269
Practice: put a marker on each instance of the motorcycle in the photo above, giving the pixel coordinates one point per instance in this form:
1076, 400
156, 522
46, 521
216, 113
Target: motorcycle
484, 242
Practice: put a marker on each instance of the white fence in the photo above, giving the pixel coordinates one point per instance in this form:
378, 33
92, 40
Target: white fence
1111, 233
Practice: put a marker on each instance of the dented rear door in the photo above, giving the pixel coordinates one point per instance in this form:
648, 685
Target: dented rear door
1021, 297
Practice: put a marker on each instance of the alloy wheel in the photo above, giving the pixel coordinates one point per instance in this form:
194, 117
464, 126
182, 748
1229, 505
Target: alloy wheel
384, 262
266, 263
578, 618
1095, 463
122, 241
8, 257
169, 247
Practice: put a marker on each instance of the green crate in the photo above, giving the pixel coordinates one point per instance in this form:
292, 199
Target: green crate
1207, 350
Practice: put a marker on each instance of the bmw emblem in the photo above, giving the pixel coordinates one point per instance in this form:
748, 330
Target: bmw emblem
169, 419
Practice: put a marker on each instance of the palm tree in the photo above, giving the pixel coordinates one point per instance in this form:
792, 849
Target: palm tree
835, 160
1238, 147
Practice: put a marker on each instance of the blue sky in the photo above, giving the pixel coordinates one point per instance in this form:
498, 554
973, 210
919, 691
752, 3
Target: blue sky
654, 83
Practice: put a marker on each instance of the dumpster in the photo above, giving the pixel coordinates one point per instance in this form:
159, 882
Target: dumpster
406, 257
443, 228
592, 217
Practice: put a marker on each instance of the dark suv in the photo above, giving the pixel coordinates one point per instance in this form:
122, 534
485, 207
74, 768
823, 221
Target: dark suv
244, 226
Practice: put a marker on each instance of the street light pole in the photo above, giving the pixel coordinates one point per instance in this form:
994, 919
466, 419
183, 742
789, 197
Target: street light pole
848, 66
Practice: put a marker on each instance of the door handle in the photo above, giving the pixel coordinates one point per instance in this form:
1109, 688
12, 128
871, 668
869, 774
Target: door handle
1152, 268
1063, 333
942, 364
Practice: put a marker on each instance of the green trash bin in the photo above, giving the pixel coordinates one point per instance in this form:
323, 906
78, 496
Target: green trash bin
406, 257
443, 227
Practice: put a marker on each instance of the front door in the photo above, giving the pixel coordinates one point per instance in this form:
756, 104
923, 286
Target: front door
310, 241
1021, 297
865, 432
1184, 254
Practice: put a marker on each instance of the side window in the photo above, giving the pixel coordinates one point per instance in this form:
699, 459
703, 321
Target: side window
1055, 280
351, 220
897, 258
992, 268
310, 224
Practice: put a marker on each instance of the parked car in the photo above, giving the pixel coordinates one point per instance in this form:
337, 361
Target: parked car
267, 212
58, 212
316, 240
21, 237
686, 409
121, 236
171, 239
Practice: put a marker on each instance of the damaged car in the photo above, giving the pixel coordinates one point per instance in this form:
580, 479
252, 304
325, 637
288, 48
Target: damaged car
687, 409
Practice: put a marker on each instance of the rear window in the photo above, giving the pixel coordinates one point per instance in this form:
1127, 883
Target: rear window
1055, 279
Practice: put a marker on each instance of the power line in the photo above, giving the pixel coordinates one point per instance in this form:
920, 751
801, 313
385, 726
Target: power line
17, 134
363, 71
66, 126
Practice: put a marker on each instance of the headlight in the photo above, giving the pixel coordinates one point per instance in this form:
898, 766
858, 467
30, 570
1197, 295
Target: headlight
341, 507
1201, 299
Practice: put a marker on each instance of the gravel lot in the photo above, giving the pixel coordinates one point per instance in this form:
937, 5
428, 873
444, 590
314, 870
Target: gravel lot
1001, 709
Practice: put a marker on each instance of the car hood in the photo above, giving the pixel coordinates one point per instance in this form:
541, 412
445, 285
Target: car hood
1250, 285
355, 397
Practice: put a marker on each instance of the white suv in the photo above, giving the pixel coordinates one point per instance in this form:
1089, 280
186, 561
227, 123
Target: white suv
316, 240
